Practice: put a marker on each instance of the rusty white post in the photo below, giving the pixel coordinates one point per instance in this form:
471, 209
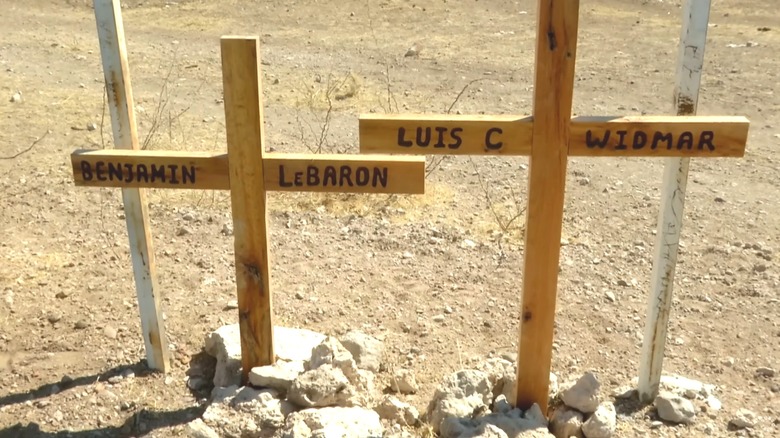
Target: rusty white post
686, 96
113, 52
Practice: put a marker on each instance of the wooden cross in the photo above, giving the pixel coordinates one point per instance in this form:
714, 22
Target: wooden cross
248, 172
549, 137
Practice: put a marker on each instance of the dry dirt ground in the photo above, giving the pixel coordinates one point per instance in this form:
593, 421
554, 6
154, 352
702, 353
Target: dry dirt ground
385, 265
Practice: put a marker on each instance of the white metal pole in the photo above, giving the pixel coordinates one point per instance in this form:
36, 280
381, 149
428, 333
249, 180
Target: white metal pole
113, 51
686, 96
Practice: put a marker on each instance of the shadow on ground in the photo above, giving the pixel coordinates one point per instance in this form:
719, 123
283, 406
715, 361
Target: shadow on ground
139, 423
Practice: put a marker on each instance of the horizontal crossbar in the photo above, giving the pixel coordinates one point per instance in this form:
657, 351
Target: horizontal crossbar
641, 136
282, 172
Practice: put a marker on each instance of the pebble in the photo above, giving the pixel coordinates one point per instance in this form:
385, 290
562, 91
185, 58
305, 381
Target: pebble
58, 416
227, 230
189, 217
183, 231
91, 126
407, 255
765, 372
743, 418
54, 317
611, 297
438, 318
675, 409
16, 98
232, 304
80, 325
110, 332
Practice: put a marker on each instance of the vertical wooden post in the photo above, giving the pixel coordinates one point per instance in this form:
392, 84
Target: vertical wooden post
244, 126
113, 52
690, 63
554, 86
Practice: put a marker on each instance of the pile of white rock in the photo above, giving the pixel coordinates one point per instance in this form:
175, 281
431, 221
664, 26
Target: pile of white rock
583, 413
319, 386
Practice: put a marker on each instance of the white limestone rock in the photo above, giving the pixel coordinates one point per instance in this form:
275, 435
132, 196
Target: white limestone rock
295, 345
486, 431
500, 372
367, 351
323, 386
333, 422
566, 423
509, 385
680, 385
675, 409
330, 352
396, 411
460, 395
513, 423
743, 419
404, 382
278, 376
584, 394
602, 423
246, 411
225, 345
198, 429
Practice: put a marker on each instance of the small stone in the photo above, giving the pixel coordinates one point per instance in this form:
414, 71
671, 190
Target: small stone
468, 244
298, 295
115, 380
324, 386
404, 381
110, 332
54, 317
81, 325
675, 409
227, 230
460, 395
448, 310
438, 318
566, 423
744, 418
366, 350
656, 424
91, 126
16, 97
335, 422
407, 255
610, 296
58, 416
183, 231
713, 405
584, 394
278, 376
394, 410
765, 372
728, 362
231, 305
198, 429
602, 423
189, 217
197, 383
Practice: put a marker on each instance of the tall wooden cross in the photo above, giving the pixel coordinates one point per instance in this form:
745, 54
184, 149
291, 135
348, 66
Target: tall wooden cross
248, 172
549, 137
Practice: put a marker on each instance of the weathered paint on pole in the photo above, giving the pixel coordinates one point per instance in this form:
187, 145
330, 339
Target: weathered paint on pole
686, 96
113, 52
